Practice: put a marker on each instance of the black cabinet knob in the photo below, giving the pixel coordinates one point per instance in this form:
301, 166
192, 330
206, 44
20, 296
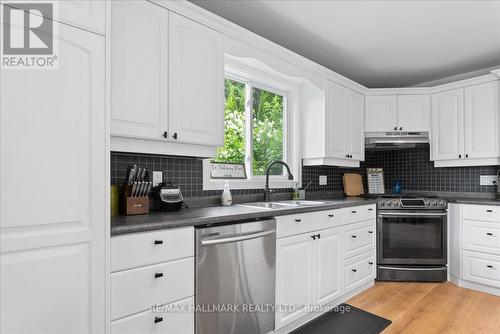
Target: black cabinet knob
371, 232
354, 236
158, 242
298, 220
460, 156
354, 270
370, 209
330, 215
318, 236
165, 134
370, 263
158, 275
467, 156
313, 236
158, 319
174, 135
395, 128
400, 128
489, 266
353, 211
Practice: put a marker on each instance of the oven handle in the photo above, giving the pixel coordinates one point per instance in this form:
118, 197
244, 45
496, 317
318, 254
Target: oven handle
412, 269
412, 214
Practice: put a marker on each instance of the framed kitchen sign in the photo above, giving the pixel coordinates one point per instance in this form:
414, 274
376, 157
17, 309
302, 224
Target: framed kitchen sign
227, 170
375, 180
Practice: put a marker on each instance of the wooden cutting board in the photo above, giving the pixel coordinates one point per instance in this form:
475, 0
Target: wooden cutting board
353, 184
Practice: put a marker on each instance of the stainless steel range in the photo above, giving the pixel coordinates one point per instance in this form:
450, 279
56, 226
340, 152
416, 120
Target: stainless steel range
412, 239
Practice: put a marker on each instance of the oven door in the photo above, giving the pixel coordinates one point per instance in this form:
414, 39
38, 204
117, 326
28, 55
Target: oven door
412, 237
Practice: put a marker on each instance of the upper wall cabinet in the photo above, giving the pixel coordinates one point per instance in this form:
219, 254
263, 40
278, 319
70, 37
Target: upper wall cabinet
387, 113
466, 126
196, 83
341, 141
139, 98
167, 82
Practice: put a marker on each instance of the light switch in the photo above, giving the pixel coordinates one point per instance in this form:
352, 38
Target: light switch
157, 178
323, 180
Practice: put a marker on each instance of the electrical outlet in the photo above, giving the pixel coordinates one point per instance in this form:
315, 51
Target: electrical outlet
487, 180
157, 178
323, 180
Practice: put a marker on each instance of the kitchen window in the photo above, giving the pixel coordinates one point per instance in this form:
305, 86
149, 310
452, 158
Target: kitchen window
259, 120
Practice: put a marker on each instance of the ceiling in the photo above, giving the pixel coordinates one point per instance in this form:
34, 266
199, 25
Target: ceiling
378, 43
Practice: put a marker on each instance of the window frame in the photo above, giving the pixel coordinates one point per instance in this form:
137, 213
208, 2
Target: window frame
254, 78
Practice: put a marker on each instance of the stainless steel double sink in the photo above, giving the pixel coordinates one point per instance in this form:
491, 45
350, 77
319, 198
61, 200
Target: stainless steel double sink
282, 204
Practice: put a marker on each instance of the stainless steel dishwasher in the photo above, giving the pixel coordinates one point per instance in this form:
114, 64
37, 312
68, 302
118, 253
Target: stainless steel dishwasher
235, 270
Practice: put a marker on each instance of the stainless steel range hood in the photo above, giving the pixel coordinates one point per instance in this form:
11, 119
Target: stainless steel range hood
395, 140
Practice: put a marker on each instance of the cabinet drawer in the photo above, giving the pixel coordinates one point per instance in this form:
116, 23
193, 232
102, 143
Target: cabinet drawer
359, 238
302, 223
489, 213
359, 213
141, 249
481, 268
135, 290
358, 271
481, 236
179, 321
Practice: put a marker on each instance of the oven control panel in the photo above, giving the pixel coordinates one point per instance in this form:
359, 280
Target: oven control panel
412, 203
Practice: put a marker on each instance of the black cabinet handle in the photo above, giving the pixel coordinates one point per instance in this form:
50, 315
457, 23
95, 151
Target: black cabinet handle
158, 319
330, 215
354, 270
395, 128
350, 156
313, 236
460, 156
174, 135
347, 155
158, 242
489, 266
354, 236
158, 275
489, 233
298, 220
318, 236
354, 211
371, 232
370, 263
489, 210
467, 155
165, 134
400, 128
370, 209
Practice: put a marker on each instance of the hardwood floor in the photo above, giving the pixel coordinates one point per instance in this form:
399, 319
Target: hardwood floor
426, 308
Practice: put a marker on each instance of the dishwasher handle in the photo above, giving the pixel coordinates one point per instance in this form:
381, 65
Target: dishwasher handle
237, 238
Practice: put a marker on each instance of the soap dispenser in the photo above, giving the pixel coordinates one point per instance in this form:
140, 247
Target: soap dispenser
226, 198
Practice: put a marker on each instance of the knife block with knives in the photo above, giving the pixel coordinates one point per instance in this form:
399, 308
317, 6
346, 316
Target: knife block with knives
135, 192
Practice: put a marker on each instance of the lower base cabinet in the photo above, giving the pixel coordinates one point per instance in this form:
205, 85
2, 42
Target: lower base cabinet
318, 267
175, 318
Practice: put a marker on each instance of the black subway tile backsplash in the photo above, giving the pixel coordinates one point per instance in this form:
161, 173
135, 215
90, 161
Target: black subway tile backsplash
410, 165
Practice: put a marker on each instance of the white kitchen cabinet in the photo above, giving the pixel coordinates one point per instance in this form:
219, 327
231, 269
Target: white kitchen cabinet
86, 14
312, 258
466, 126
447, 125
327, 259
196, 82
414, 112
343, 134
294, 276
482, 121
355, 114
175, 104
139, 94
53, 224
389, 113
381, 113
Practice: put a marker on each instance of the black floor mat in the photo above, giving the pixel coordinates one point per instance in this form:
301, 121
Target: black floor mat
345, 319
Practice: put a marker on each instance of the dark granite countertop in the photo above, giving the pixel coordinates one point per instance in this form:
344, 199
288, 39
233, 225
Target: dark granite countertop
217, 214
